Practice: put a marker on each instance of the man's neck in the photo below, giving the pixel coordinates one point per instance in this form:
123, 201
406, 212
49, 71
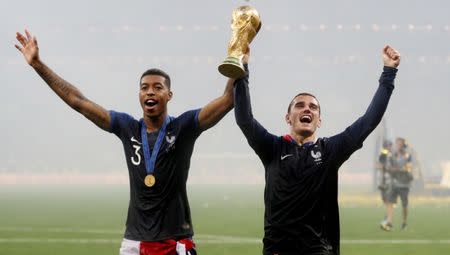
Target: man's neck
300, 139
154, 123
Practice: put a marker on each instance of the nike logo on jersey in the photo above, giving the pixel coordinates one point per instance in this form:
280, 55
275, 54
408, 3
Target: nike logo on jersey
285, 156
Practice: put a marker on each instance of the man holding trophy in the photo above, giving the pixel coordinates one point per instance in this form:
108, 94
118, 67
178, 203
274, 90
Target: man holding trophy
301, 170
157, 147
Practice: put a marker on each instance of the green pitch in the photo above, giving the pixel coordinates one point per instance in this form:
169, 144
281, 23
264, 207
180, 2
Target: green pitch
89, 220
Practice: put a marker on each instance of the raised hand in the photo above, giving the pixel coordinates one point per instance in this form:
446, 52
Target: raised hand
29, 47
391, 57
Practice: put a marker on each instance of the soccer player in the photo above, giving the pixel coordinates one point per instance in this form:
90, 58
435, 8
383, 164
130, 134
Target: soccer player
158, 150
400, 170
301, 170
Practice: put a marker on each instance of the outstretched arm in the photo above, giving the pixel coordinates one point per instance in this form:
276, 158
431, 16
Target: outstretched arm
66, 91
359, 130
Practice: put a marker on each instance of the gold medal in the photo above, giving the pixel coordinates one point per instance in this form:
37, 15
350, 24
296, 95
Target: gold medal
149, 180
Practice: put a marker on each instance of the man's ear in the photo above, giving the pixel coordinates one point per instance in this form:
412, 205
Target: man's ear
170, 95
288, 120
319, 123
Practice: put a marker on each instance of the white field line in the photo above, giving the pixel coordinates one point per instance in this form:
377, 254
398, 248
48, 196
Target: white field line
219, 239
207, 239
395, 241
60, 230
234, 240
60, 240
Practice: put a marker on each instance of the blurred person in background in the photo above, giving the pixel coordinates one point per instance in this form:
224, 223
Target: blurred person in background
400, 170
385, 180
384, 159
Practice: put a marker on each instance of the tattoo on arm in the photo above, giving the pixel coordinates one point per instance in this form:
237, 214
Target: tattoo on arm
73, 97
62, 88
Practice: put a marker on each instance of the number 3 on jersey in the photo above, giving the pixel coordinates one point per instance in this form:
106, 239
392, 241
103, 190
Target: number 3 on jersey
136, 151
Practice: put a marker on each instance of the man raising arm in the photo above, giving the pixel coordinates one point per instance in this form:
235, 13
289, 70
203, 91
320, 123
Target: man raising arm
158, 149
301, 210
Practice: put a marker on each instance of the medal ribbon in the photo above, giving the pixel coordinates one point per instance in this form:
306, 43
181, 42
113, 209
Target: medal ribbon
151, 160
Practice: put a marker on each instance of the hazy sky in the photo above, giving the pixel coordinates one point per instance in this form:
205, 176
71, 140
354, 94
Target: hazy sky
329, 48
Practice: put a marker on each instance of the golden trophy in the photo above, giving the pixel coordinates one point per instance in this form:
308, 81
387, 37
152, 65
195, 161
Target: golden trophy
245, 24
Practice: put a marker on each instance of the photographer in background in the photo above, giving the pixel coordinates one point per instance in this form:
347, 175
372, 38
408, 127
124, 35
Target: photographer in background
400, 169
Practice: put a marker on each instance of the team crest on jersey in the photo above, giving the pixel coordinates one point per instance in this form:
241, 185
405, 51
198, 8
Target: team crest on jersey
317, 156
170, 139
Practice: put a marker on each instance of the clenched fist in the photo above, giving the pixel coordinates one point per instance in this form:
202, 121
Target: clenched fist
391, 57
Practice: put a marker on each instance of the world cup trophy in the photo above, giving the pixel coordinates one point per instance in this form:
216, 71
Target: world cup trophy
245, 24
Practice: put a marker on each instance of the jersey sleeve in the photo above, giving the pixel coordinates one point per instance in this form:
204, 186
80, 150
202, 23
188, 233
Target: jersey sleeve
120, 122
261, 141
352, 138
189, 123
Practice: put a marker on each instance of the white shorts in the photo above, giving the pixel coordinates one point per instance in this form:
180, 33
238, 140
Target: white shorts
131, 247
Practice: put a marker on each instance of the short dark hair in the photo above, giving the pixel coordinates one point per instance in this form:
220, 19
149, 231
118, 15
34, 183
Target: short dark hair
302, 94
156, 71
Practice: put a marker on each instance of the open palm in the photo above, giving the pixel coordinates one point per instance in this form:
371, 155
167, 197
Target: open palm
29, 47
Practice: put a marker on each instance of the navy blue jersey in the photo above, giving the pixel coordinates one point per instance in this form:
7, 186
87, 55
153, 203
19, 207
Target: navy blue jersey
301, 209
162, 211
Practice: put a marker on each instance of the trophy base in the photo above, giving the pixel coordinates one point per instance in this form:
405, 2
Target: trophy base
232, 67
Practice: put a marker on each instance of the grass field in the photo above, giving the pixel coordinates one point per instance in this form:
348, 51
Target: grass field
90, 220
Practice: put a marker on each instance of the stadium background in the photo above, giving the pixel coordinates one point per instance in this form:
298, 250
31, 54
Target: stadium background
63, 182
